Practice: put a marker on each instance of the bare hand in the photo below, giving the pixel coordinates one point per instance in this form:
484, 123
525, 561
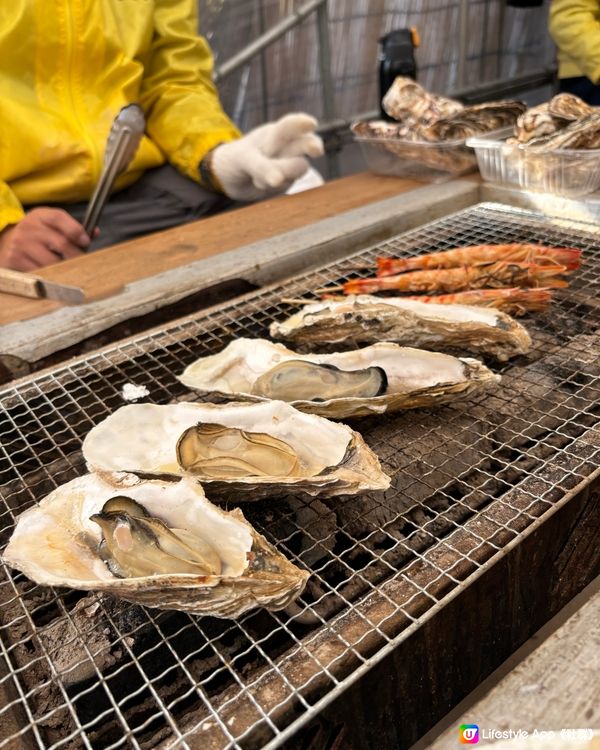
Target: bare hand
42, 237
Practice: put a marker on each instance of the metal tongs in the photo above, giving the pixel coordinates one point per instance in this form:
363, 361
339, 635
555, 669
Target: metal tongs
123, 141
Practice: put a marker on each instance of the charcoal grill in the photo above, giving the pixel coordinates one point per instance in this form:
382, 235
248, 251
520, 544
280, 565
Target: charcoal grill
472, 482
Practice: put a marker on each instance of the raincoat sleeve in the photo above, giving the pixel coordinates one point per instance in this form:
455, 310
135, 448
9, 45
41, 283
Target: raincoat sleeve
575, 28
184, 114
11, 211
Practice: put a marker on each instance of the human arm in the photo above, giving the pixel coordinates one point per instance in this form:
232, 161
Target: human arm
574, 26
184, 114
185, 118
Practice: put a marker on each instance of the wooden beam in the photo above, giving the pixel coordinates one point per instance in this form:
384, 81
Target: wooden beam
259, 263
106, 272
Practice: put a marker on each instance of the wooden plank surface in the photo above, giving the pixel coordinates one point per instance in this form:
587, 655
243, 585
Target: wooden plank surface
266, 261
103, 273
555, 689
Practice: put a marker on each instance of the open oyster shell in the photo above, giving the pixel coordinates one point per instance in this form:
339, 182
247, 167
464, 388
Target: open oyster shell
365, 318
415, 378
143, 439
56, 544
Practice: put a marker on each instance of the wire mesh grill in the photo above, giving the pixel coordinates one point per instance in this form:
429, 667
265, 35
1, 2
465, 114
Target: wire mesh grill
82, 670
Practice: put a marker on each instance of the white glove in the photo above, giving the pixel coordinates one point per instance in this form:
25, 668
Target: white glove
268, 159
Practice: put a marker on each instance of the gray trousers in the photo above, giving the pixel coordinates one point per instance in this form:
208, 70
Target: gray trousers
162, 198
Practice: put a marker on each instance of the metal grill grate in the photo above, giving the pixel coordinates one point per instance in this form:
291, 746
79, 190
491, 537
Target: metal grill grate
88, 671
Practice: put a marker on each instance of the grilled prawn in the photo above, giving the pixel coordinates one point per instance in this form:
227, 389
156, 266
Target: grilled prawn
494, 275
476, 255
514, 301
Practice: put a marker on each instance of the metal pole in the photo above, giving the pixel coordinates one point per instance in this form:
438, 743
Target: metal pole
463, 36
486, 37
267, 38
500, 52
327, 86
263, 63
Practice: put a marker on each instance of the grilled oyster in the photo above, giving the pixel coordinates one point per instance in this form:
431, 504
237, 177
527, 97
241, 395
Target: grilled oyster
247, 368
258, 449
366, 318
478, 118
161, 544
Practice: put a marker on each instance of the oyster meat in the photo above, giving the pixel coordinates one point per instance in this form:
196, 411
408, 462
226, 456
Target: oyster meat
298, 379
136, 544
241, 451
378, 378
365, 318
160, 544
217, 452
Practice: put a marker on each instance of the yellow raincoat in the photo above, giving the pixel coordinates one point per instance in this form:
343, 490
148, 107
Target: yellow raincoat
68, 66
575, 27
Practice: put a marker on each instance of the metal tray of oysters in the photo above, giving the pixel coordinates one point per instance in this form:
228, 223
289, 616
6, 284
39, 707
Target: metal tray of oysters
553, 148
428, 134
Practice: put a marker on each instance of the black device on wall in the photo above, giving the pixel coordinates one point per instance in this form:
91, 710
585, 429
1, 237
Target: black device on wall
396, 58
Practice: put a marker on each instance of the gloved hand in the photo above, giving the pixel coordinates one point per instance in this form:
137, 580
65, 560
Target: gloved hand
268, 159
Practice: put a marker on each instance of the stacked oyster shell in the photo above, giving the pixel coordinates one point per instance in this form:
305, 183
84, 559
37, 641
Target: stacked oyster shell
564, 122
422, 115
426, 118
552, 148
